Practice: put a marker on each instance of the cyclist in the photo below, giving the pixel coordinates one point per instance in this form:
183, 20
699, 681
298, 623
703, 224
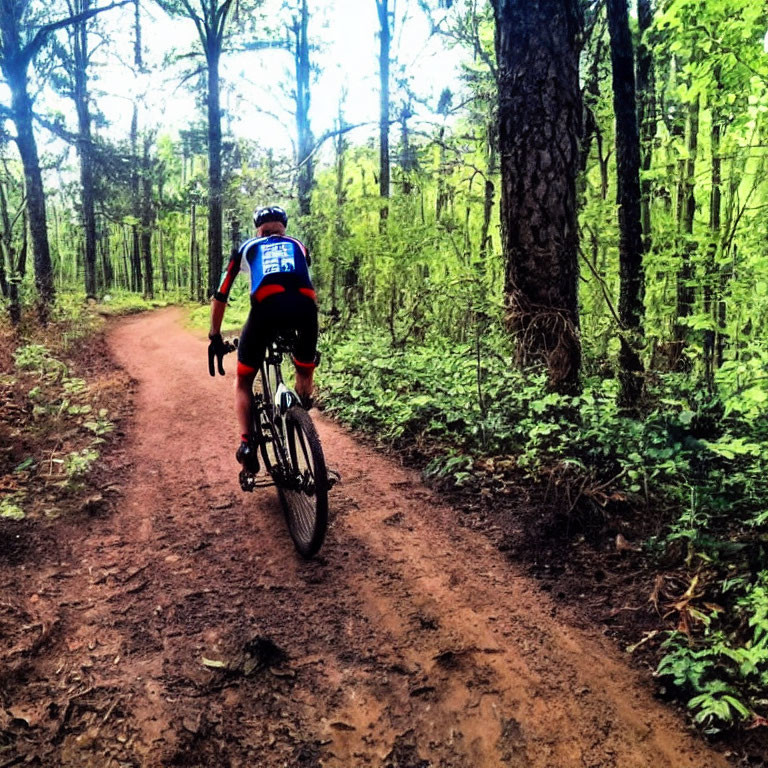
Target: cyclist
282, 300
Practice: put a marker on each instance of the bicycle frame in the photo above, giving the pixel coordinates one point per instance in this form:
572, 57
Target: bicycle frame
269, 425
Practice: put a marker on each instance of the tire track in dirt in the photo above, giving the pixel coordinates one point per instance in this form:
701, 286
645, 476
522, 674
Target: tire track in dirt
410, 643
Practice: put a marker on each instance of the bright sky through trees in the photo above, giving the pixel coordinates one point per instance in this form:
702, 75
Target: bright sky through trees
257, 84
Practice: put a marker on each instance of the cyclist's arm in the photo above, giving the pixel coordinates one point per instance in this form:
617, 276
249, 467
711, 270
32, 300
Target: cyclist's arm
219, 301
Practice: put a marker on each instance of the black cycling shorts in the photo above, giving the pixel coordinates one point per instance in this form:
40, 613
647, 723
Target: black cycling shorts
290, 314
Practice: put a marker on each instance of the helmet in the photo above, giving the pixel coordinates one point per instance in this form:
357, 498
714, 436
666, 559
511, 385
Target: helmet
269, 213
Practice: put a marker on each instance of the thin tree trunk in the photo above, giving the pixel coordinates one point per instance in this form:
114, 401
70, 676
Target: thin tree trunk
215, 235
646, 110
385, 39
136, 276
305, 145
85, 148
687, 247
710, 267
628, 200
147, 219
489, 194
9, 259
163, 266
193, 270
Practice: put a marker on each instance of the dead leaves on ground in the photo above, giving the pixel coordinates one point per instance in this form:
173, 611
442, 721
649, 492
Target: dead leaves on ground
682, 596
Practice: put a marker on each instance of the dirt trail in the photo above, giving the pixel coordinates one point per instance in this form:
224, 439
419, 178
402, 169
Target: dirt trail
411, 643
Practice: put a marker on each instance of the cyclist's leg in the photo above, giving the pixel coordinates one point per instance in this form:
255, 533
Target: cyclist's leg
250, 353
294, 312
305, 346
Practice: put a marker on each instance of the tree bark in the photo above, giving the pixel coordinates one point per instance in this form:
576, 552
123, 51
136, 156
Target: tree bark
686, 247
540, 113
85, 148
628, 200
147, 219
646, 111
136, 276
489, 194
385, 39
193, 250
215, 185
305, 164
21, 105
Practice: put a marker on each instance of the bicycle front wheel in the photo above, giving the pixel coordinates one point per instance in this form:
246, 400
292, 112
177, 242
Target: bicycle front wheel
305, 499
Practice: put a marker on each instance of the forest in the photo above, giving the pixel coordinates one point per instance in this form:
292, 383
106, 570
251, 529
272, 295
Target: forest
540, 245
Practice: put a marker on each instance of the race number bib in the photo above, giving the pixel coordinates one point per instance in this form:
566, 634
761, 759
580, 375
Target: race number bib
277, 257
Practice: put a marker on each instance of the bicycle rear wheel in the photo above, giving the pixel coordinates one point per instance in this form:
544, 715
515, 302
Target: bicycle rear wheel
269, 438
305, 507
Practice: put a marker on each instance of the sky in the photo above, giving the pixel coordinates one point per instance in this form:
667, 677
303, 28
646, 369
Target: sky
347, 58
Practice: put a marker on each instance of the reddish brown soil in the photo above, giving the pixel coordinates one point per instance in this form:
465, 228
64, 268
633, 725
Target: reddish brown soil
412, 642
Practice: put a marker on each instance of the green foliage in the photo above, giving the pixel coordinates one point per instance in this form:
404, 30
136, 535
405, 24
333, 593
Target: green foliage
725, 672
78, 463
37, 358
10, 507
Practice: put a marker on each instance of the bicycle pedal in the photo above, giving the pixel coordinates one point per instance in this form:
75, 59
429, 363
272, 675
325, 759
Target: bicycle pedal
247, 481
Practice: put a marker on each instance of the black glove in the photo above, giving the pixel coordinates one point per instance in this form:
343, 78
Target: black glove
216, 349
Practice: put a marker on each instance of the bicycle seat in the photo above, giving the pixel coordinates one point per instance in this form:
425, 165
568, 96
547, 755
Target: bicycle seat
283, 343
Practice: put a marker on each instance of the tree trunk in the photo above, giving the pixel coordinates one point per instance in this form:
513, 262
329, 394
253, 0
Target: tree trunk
163, 266
628, 200
340, 229
687, 247
710, 267
38, 225
9, 260
85, 148
193, 270
489, 195
646, 111
305, 163
385, 38
215, 226
407, 152
147, 219
540, 111
136, 277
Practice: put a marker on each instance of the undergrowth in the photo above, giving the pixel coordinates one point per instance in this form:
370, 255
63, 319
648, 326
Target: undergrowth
59, 404
699, 459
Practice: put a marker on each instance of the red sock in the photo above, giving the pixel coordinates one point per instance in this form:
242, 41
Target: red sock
246, 438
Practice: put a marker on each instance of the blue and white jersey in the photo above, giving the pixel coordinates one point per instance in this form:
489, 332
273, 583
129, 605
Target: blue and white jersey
276, 260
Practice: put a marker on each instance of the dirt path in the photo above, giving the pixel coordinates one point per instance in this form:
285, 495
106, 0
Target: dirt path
410, 643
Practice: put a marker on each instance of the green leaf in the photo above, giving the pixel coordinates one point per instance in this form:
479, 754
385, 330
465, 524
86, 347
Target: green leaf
12, 512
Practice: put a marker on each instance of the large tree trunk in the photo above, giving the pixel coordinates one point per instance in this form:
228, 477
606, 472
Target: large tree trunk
385, 37
215, 225
540, 111
628, 200
38, 225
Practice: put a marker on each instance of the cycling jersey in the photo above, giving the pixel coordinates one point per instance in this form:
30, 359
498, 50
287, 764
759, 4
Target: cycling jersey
275, 264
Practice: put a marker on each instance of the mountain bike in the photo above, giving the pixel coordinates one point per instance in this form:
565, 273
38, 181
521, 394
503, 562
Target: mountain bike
291, 450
